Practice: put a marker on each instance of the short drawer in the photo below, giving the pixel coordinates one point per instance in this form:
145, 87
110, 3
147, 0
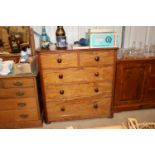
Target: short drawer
97, 58
16, 104
18, 82
19, 115
79, 109
85, 74
68, 92
58, 60
17, 93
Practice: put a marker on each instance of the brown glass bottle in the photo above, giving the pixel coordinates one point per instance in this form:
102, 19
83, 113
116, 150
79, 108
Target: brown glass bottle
61, 38
14, 43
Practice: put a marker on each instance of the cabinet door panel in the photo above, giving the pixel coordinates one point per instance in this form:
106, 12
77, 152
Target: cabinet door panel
129, 83
150, 82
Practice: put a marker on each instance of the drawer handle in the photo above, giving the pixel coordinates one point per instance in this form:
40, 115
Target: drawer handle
95, 106
18, 84
60, 76
63, 109
24, 116
97, 74
59, 60
96, 90
21, 104
19, 93
97, 58
61, 92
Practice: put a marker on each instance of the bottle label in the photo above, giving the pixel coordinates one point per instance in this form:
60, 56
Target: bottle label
61, 41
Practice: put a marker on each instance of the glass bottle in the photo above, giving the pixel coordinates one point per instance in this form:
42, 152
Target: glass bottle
44, 39
61, 38
14, 43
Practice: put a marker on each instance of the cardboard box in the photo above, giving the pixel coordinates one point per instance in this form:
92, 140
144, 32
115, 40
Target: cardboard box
102, 39
22, 68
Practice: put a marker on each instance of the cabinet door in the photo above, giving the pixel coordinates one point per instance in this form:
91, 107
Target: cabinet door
150, 82
129, 83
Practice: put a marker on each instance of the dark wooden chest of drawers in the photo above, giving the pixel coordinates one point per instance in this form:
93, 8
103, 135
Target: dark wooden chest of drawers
77, 84
19, 104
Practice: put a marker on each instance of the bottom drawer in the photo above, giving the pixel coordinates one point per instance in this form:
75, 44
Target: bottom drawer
19, 115
78, 109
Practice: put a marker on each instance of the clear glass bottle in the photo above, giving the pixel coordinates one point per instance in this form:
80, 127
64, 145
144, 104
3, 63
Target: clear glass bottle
61, 38
44, 39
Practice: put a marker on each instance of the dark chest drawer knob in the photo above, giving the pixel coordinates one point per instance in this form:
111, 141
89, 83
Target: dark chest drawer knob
60, 76
21, 104
61, 92
63, 109
97, 74
95, 106
59, 60
19, 93
18, 84
96, 90
23, 116
97, 58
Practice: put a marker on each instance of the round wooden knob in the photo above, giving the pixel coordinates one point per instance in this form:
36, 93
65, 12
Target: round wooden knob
97, 74
60, 76
61, 92
96, 90
97, 58
59, 60
95, 106
62, 109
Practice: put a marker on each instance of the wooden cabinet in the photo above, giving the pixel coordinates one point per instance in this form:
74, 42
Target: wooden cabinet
19, 103
135, 84
77, 84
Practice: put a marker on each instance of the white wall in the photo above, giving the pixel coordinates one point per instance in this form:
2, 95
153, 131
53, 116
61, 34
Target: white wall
145, 34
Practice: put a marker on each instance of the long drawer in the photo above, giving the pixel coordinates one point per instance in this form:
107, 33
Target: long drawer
77, 109
19, 115
17, 92
17, 104
17, 82
96, 58
58, 60
89, 74
69, 92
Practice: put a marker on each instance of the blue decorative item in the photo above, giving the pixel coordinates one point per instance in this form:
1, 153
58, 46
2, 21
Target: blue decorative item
83, 42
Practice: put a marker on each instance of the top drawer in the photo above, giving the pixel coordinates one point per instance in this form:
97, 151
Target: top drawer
18, 82
58, 60
99, 58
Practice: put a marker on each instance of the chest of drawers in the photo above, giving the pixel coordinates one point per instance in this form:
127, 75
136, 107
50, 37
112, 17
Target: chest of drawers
19, 104
77, 84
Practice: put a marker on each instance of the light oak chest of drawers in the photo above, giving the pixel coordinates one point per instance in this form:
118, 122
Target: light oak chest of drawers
19, 103
77, 84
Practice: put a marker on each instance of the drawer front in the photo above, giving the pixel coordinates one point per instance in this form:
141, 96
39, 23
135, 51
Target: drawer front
79, 109
17, 93
18, 115
26, 115
74, 91
97, 58
18, 82
58, 60
89, 74
16, 104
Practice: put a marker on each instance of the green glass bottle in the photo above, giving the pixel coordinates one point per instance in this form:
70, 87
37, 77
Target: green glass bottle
44, 39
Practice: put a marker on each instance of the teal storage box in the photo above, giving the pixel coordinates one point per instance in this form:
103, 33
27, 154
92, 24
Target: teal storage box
102, 40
